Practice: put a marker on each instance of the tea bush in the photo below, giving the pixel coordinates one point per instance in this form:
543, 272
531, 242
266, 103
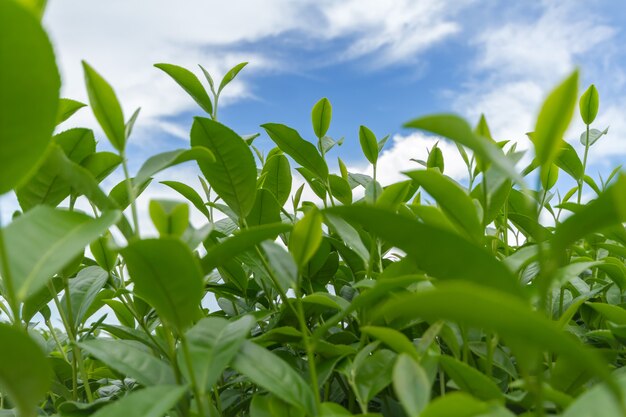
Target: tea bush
496, 299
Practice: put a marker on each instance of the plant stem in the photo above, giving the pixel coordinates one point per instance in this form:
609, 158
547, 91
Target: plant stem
192, 375
131, 193
9, 294
581, 182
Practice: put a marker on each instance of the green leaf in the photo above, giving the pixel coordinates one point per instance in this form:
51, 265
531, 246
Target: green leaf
458, 404
265, 210
303, 152
270, 406
486, 308
190, 194
554, 118
148, 402
282, 264
569, 161
240, 242
101, 164
43, 241
67, 108
152, 263
411, 385
274, 374
594, 135
190, 83
372, 375
159, 162
130, 358
369, 145
610, 312
105, 107
340, 189
25, 373
598, 396
394, 195
30, 93
83, 291
607, 210
306, 237
435, 159
588, 104
213, 344
470, 379
171, 218
458, 130
321, 115
392, 338
434, 248
233, 175
230, 75
277, 179
452, 199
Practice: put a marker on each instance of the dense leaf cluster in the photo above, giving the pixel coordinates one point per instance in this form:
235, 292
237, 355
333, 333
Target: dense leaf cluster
426, 297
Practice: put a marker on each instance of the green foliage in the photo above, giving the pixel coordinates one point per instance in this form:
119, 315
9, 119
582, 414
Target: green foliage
427, 297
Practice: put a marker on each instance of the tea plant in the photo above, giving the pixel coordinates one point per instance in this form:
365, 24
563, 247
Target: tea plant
496, 299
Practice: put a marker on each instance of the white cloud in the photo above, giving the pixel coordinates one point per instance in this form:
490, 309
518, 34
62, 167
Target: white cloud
123, 39
397, 158
518, 62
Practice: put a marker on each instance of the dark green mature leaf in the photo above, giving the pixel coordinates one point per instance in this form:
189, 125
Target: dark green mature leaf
321, 115
553, 120
190, 83
486, 308
458, 404
130, 358
25, 373
411, 385
30, 93
470, 379
83, 291
148, 402
598, 396
306, 237
233, 175
270, 406
242, 241
458, 130
589, 104
43, 241
452, 199
275, 375
265, 210
105, 107
372, 375
434, 247
392, 338
369, 144
230, 75
159, 162
213, 343
153, 264
282, 264
277, 178
67, 107
303, 152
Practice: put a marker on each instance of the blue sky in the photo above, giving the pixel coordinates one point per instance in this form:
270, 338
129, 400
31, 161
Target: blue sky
380, 63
